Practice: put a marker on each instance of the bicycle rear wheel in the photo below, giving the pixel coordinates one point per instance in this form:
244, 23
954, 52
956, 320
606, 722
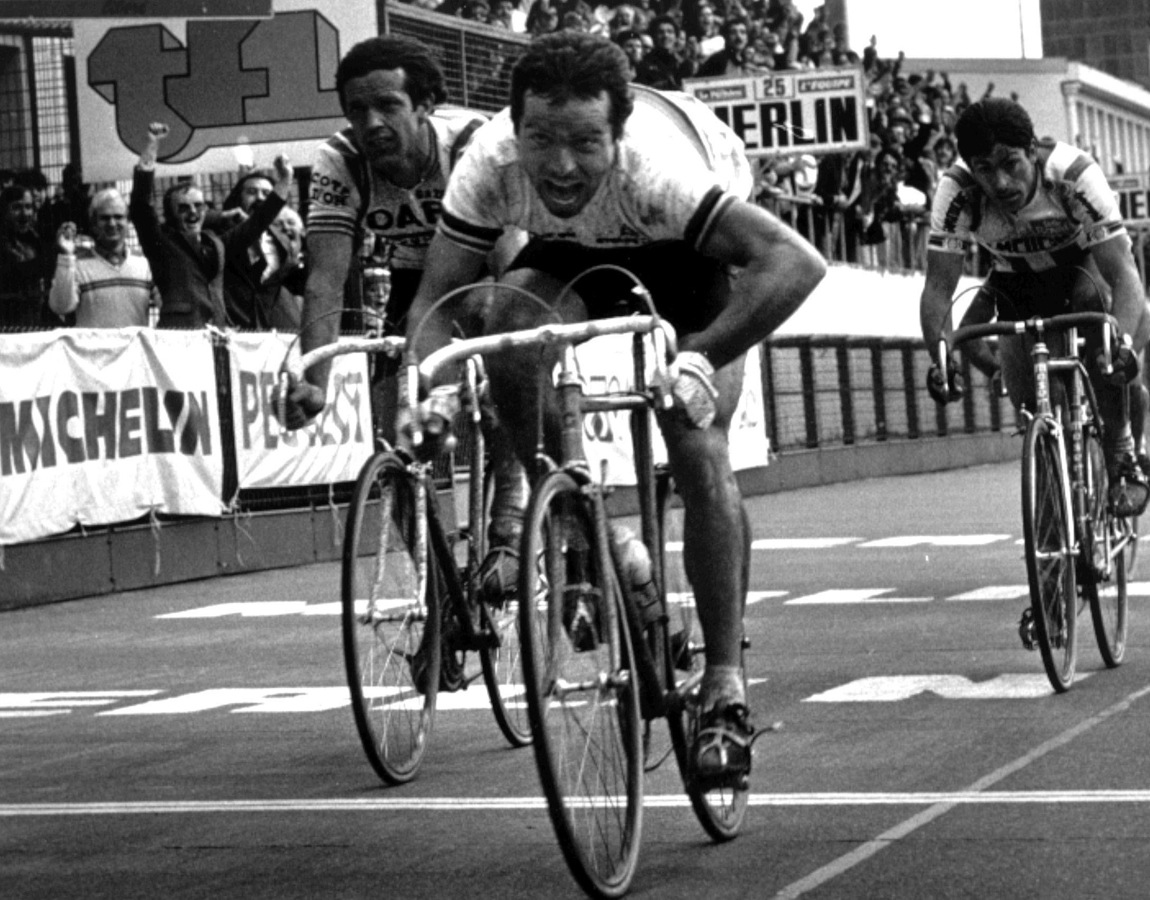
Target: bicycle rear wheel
582, 699
1104, 580
719, 810
391, 644
1046, 525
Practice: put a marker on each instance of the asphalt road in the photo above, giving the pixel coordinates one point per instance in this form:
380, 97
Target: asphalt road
195, 741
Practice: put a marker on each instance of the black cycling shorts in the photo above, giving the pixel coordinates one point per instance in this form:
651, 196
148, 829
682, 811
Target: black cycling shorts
1021, 295
688, 289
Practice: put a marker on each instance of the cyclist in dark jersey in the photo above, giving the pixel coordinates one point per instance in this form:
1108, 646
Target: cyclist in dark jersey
1044, 211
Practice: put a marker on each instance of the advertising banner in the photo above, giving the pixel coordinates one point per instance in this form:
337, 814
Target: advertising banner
1133, 192
232, 91
607, 366
804, 111
332, 448
99, 426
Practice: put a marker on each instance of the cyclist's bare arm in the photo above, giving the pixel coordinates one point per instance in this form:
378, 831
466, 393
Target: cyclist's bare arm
329, 259
943, 271
448, 266
1116, 263
779, 271
978, 351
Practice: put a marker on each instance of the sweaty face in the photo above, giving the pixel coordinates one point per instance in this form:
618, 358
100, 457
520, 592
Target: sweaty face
566, 149
383, 119
1007, 175
110, 224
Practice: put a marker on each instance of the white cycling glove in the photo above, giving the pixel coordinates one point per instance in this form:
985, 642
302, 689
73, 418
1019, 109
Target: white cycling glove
691, 387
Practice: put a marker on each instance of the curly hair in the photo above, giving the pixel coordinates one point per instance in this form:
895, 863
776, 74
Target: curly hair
994, 120
423, 79
573, 65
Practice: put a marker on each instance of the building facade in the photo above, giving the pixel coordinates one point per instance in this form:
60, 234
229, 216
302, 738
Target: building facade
1112, 35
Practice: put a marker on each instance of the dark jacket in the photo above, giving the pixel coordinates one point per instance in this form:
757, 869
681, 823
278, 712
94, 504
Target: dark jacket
189, 272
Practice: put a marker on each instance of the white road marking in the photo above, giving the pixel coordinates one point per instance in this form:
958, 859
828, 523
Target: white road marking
811, 543
450, 805
56, 703
891, 688
892, 836
995, 592
248, 700
944, 540
842, 596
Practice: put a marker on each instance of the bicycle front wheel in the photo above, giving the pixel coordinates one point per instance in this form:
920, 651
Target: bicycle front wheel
582, 696
1046, 525
1112, 542
391, 643
719, 810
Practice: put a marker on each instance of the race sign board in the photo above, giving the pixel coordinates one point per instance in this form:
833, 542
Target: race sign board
232, 91
804, 111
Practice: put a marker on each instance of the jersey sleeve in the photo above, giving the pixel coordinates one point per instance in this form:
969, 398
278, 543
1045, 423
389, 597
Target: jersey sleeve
951, 213
1097, 205
334, 199
474, 205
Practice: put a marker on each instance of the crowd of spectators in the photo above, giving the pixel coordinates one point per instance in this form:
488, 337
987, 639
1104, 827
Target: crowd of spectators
850, 204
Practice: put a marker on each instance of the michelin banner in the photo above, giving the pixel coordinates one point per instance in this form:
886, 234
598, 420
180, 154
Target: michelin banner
606, 363
99, 426
330, 449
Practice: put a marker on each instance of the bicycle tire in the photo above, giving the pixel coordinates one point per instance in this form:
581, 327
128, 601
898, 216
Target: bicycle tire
720, 811
582, 701
1104, 581
1046, 524
391, 645
503, 663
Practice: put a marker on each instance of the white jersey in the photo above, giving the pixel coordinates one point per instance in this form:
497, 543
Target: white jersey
1073, 208
346, 192
677, 169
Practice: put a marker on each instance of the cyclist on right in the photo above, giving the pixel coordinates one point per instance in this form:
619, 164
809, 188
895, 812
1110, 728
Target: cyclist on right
1044, 211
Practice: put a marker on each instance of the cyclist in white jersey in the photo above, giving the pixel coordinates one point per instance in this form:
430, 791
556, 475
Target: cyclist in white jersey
1052, 225
385, 174
662, 192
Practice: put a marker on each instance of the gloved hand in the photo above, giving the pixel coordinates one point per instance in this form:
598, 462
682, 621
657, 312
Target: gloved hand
1124, 361
691, 388
436, 413
954, 388
302, 403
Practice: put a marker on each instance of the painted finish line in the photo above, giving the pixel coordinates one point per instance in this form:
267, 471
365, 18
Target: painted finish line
483, 804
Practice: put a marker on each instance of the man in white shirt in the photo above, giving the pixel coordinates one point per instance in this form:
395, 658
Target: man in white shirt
106, 285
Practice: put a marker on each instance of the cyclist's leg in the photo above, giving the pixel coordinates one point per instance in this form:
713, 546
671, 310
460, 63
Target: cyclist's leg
1129, 490
512, 377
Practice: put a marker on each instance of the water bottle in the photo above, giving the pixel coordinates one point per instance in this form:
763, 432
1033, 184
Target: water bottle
636, 565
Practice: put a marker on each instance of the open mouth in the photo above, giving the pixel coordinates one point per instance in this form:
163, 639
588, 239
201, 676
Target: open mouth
561, 196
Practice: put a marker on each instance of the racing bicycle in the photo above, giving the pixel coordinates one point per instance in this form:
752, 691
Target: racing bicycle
1077, 550
600, 670
413, 619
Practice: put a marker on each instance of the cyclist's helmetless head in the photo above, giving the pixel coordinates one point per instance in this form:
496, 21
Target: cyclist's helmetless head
996, 139
570, 99
387, 87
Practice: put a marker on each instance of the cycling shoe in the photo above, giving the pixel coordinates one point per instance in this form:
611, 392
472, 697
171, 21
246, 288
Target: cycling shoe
721, 752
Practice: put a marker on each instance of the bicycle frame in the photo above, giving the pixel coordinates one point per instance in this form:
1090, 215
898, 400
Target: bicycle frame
574, 404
